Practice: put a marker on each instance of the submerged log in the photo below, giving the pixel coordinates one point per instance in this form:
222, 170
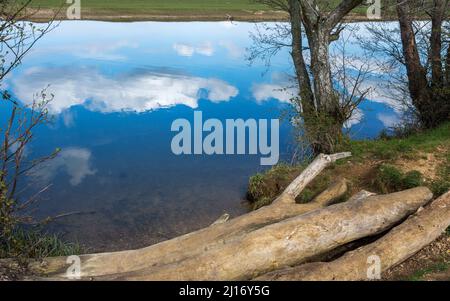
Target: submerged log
392, 249
218, 234
290, 242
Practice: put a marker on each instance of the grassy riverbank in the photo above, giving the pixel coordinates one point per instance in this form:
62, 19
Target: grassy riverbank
383, 166
23, 245
172, 10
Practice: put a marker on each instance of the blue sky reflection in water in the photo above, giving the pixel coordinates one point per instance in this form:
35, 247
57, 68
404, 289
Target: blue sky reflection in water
118, 87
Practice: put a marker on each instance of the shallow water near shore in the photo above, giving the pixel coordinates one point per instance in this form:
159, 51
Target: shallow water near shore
117, 89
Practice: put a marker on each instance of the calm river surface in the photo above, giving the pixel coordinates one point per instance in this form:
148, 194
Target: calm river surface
118, 87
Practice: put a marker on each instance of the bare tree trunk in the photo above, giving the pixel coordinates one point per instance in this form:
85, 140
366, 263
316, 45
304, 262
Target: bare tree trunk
417, 75
304, 82
319, 27
437, 18
324, 130
392, 249
447, 67
321, 69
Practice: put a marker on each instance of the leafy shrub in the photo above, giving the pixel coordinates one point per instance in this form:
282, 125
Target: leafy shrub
412, 179
390, 179
439, 187
306, 196
264, 187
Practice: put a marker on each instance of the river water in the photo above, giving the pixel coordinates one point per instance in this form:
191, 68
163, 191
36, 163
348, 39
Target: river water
117, 89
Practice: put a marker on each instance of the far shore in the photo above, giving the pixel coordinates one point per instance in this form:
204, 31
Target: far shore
45, 15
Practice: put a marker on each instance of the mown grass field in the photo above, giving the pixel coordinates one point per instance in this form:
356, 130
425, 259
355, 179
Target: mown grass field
158, 5
241, 9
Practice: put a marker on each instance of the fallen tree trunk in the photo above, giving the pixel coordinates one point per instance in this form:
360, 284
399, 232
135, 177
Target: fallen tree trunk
290, 242
208, 238
392, 249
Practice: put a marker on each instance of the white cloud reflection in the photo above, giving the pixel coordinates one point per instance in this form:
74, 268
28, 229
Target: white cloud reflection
264, 92
380, 92
91, 50
234, 50
356, 118
388, 120
188, 50
102, 51
138, 91
75, 162
68, 118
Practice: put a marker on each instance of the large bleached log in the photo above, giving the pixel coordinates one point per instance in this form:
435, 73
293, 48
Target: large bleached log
208, 238
290, 242
392, 249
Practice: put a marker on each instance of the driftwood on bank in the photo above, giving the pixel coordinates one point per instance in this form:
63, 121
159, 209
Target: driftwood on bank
192, 244
292, 241
272, 238
395, 247
286, 243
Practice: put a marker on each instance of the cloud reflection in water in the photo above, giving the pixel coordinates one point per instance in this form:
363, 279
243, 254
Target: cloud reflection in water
74, 161
136, 91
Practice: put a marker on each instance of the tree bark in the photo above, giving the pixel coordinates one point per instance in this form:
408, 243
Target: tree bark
417, 75
447, 67
324, 127
318, 29
304, 82
392, 249
325, 93
437, 18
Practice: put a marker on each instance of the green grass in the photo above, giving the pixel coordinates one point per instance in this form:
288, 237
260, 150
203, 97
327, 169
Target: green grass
244, 9
436, 268
172, 6
385, 178
264, 187
394, 148
435, 141
24, 244
159, 5
390, 179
